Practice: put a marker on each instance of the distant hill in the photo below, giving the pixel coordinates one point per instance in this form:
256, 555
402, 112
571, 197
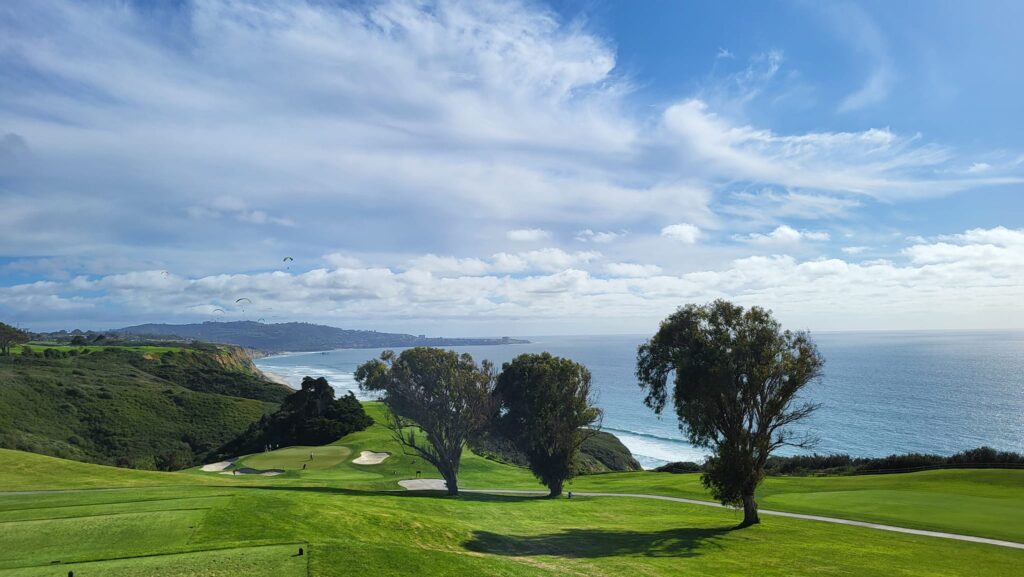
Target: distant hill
142, 407
299, 336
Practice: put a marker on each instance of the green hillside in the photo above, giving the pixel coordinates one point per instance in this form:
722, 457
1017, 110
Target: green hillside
354, 520
140, 407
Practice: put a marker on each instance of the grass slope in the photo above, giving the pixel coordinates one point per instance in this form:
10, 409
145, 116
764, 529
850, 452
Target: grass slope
212, 524
146, 407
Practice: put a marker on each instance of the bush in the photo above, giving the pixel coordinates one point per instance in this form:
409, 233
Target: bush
680, 467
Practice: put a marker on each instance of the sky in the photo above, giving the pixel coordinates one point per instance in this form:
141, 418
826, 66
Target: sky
511, 168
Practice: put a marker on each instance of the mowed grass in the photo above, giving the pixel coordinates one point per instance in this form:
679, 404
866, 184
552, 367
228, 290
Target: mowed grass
351, 520
984, 502
293, 458
270, 561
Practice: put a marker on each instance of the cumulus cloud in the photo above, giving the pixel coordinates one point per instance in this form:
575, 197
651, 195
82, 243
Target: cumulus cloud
972, 275
783, 234
632, 270
599, 237
528, 234
854, 249
683, 232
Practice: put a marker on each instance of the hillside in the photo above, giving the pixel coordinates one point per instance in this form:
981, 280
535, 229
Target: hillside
299, 336
140, 407
349, 521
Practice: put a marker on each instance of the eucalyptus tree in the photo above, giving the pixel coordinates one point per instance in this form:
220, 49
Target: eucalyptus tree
436, 400
736, 378
545, 408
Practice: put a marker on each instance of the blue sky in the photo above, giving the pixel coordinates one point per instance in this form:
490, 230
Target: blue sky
511, 168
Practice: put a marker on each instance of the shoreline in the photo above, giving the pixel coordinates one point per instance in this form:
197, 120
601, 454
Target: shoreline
274, 377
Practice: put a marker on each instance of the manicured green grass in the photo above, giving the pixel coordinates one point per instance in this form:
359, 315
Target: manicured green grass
293, 458
352, 521
268, 561
986, 503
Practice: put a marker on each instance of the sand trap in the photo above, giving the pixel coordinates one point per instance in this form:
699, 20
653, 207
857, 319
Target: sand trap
248, 471
424, 484
370, 458
215, 467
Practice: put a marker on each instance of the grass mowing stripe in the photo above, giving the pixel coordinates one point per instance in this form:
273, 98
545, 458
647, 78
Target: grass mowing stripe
113, 503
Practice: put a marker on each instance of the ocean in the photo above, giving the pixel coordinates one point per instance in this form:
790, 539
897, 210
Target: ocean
881, 392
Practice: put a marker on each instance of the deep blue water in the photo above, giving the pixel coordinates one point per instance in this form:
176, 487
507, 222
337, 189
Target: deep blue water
881, 393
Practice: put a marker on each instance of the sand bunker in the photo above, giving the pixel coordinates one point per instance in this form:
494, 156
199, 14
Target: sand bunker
248, 471
370, 458
424, 484
215, 467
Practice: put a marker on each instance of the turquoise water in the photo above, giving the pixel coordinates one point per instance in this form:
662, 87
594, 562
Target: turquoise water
881, 393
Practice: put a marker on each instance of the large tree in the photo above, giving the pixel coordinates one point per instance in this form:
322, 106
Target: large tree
445, 394
737, 376
10, 336
546, 410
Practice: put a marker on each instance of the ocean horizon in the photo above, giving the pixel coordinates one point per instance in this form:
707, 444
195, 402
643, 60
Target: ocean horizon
882, 392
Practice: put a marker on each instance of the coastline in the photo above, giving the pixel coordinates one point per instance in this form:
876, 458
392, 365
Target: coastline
275, 378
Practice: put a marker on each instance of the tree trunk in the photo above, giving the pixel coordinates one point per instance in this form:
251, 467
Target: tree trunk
452, 484
750, 511
556, 489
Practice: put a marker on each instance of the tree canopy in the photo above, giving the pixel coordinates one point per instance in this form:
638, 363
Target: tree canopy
546, 409
309, 416
10, 336
737, 376
445, 394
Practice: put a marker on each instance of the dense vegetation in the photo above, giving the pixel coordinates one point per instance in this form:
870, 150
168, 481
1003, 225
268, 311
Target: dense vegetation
298, 336
842, 464
143, 407
309, 416
601, 452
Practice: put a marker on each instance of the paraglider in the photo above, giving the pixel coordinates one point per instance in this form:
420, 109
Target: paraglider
243, 301
287, 259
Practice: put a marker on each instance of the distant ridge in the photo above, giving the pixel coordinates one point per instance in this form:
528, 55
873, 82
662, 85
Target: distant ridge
300, 336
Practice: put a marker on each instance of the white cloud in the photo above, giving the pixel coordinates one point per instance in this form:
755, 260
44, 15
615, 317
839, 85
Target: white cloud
784, 234
770, 205
528, 234
973, 275
341, 260
854, 249
979, 167
874, 162
600, 237
683, 232
631, 270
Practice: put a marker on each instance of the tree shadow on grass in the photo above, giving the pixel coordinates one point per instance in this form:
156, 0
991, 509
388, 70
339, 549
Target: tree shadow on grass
591, 543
